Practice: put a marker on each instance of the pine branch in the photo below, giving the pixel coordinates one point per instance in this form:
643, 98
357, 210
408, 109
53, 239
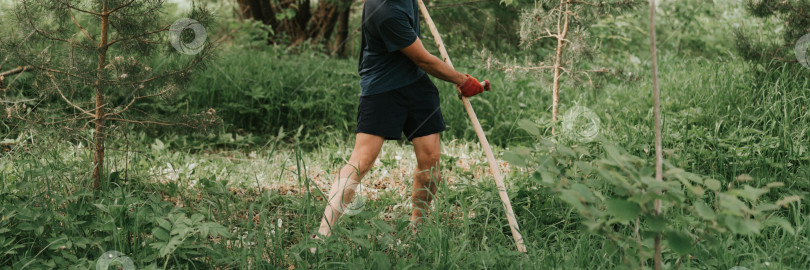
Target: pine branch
162, 29
136, 98
76, 22
55, 85
14, 71
148, 122
118, 8
28, 16
67, 3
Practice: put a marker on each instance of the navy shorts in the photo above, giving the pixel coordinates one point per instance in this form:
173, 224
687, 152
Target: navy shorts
413, 109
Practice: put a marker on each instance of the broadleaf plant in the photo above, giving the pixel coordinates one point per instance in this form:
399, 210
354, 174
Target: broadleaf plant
614, 191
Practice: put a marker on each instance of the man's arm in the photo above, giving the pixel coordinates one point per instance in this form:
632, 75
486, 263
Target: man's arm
432, 64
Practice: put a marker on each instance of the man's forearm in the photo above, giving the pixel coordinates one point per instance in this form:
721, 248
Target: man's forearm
442, 70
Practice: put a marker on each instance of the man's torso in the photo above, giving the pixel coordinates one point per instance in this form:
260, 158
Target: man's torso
388, 26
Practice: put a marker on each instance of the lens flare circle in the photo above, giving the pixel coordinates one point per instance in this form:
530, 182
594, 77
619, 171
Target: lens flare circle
580, 124
175, 34
110, 257
358, 203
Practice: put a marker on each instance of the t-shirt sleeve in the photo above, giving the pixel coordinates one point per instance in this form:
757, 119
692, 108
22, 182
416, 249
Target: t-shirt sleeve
397, 33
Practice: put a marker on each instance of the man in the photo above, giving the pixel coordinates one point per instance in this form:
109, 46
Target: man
397, 97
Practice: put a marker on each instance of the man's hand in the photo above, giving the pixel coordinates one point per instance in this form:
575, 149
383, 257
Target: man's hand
472, 87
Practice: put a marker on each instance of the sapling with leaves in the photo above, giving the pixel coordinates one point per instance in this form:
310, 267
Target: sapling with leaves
103, 59
614, 192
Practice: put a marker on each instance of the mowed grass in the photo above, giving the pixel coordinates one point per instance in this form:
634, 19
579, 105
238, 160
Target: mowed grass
721, 118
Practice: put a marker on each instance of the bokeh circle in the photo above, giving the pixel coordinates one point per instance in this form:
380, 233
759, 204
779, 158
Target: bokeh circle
111, 257
175, 36
358, 203
580, 124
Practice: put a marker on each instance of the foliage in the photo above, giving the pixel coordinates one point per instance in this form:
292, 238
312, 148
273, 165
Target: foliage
54, 229
614, 193
92, 57
744, 129
468, 27
467, 230
796, 23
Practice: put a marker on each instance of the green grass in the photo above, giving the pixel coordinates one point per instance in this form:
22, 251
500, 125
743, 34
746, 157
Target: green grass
722, 118
248, 193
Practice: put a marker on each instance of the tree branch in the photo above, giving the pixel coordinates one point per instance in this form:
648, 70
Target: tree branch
132, 101
165, 28
67, 3
80, 26
55, 85
147, 122
15, 71
119, 7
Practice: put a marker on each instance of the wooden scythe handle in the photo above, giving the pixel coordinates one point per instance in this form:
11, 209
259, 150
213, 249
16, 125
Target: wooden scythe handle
493, 166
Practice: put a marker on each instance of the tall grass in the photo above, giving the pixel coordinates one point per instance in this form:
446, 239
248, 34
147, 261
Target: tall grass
722, 118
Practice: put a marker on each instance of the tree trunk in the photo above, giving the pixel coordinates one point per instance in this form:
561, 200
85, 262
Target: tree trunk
342, 31
659, 156
316, 25
98, 136
561, 34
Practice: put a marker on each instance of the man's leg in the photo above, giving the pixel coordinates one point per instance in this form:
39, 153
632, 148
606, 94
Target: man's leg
366, 148
427, 176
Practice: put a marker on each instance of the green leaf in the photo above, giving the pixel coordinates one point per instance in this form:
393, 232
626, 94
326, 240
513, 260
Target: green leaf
573, 199
750, 193
362, 242
566, 151
765, 207
584, 192
382, 226
160, 234
197, 218
380, 261
514, 159
732, 204
704, 211
657, 223
712, 184
529, 127
623, 210
742, 226
164, 224
679, 242
781, 222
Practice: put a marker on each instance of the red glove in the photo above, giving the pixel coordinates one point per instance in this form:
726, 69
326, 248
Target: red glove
472, 87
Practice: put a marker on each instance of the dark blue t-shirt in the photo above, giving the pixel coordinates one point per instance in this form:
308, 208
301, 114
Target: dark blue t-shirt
388, 26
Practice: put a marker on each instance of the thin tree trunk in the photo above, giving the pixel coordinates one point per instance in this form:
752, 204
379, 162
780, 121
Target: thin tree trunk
659, 158
304, 14
561, 35
342, 30
98, 137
